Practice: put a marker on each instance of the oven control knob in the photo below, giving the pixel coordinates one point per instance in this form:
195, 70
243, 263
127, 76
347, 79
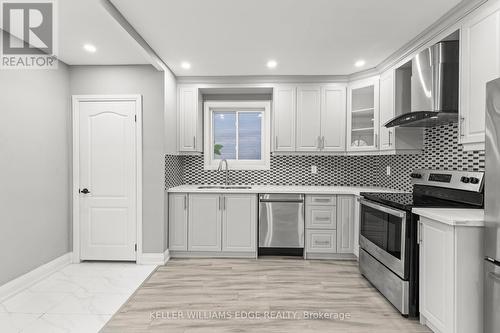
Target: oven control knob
416, 175
465, 179
474, 180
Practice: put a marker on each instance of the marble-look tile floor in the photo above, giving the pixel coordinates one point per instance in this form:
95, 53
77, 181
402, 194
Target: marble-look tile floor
264, 295
77, 298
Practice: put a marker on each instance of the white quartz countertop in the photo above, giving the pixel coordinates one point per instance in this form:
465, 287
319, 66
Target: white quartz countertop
453, 216
349, 190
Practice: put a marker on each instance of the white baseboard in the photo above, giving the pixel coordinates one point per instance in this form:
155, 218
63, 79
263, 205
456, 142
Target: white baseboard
25, 281
155, 258
166, 256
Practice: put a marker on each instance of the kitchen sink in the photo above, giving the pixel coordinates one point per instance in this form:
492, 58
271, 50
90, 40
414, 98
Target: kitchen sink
221, 187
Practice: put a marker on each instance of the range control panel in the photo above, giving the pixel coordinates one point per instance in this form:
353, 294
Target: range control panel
460, 180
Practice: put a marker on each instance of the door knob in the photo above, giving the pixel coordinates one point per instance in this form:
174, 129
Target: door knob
84, 191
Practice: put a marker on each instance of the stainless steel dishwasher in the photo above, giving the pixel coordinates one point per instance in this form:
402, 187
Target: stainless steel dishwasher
281, 224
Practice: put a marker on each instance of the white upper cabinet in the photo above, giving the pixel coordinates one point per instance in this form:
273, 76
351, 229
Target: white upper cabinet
284, 118
333, 113
395, 87
480, 63
387, 110
189, 119
363, 115
309, 118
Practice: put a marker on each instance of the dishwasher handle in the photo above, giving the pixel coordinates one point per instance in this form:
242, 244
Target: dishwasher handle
283, 200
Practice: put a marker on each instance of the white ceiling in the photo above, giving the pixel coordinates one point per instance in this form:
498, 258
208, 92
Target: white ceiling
305, 37
86, 21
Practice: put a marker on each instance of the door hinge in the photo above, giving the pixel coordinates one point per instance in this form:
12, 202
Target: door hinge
135, 247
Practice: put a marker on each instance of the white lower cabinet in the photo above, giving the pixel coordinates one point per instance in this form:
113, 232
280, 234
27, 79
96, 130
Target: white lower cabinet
205, 212
212, 223
321, 241
239, 223
450, 275
345, 224
177, 222
329, 225
321, 217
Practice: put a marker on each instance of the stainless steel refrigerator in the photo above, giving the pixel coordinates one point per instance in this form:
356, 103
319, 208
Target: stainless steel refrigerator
492, 210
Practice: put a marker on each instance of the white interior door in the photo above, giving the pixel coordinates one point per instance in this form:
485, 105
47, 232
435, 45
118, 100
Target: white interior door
107, 169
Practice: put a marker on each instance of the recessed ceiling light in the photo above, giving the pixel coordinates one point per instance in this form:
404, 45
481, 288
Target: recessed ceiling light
185, 65
360, 63
89, 48
272, 64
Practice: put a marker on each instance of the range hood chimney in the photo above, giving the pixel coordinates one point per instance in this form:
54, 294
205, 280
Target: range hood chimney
434, 88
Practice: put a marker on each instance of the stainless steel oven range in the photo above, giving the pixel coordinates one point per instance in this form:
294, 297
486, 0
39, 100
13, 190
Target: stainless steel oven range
388, 255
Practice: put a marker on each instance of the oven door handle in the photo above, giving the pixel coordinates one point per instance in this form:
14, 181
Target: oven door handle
385, 209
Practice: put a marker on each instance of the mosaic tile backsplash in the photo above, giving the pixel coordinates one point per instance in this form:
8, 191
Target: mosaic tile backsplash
441, 151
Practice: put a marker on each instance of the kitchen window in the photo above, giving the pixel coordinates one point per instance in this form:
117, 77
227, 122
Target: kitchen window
238, 132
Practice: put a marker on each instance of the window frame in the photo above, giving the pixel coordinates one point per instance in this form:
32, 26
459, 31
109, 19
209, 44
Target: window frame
240, 106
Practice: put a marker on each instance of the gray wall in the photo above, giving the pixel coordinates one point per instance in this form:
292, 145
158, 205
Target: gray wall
170, 130
147, 81
34, 169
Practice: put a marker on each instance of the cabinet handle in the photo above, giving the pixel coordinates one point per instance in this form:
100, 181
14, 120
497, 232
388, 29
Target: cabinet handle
219, 202
461, 129
185, 202
323, 142
224, 203
321, 200
376, 140
322, 219
194, 142
419, 232
322, 242
390, 134
276, 142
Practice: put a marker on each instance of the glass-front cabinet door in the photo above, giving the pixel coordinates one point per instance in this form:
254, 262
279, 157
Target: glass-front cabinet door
363, 115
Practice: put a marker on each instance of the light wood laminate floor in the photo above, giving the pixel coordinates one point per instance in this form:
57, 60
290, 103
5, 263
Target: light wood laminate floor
272, 288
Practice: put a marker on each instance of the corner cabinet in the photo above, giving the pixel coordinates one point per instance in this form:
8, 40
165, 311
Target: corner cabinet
479, 63
450, 277
189, 115
363, 115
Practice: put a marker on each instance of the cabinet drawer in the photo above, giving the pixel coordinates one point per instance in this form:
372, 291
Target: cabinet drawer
321, 217
321, 241
326, 200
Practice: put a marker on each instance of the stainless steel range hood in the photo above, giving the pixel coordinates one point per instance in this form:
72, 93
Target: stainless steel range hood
434, 88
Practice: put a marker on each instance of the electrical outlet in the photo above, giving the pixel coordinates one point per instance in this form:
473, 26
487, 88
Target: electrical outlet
314, 169
388, 170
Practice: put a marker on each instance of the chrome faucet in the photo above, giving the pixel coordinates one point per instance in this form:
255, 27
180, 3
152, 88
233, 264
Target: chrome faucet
227, 170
